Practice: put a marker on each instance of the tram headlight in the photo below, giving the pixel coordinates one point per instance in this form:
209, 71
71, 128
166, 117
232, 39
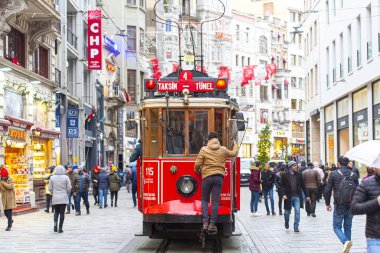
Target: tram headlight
187, 186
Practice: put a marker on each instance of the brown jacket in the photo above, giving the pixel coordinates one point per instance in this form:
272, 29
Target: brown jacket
8, 195
311, 178
213, 158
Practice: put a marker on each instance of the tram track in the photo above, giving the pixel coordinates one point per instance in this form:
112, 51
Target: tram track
214, 245
164, 245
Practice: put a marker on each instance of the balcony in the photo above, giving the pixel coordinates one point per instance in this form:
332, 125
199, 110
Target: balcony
72, 39
41, 9
358, 58
349, 62
369, 50
57, 78
115, 96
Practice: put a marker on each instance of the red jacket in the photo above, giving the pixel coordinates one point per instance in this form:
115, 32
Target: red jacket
254, 180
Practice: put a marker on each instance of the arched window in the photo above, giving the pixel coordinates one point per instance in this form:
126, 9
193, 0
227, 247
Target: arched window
263, 44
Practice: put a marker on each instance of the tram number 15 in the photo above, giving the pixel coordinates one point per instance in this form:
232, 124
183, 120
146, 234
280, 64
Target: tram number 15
149, 172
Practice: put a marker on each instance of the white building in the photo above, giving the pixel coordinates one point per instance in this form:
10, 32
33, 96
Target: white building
343, 90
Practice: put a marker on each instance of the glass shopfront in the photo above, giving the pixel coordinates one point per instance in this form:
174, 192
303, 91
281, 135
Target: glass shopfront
329, 129
376, 110
360, 116
343, 127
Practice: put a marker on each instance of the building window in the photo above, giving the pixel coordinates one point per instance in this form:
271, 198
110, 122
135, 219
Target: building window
131, 2
142, 3
263, 45
131, 81
142, 34
13, 104
41, 62
131, 38
247, 35
249, 61
264, 116
293, 82
242, 61
300, 83
294, 104
299, 60
263, 93
300, 105
293, 60
286, 91
237, 32
14, 47
237, 60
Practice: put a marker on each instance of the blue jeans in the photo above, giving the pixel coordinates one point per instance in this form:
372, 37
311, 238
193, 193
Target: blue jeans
271, 199
103, 194
71, 195
342, 216
211, 185
255, 195
373, 245
84, 196
295, 202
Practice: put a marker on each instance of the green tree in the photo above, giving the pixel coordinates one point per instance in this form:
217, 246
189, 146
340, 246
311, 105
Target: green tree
263, 145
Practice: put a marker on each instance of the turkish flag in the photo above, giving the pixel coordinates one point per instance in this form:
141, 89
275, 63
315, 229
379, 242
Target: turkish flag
224, 72
269, 72
273, 68
248, 74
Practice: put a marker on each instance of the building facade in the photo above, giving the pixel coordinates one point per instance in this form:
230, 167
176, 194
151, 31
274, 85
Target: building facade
343, 93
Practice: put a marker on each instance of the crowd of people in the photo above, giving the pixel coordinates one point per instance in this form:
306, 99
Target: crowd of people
301, 186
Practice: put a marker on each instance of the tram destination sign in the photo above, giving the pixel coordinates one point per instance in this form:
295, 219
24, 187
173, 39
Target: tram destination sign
192, 86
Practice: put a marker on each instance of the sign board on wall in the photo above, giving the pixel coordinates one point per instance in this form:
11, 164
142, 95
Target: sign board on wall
94, 40
72, 123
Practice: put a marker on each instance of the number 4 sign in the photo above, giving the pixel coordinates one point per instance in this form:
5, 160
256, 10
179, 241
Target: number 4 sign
185, 76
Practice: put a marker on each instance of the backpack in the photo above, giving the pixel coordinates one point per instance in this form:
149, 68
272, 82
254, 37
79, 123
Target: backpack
346, 190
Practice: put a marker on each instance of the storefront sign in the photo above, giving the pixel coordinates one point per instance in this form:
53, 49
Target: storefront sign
343, 122
279, 133
72, 123
15, 134
330, 126
299, 140
376, 111
360, 116
94, 40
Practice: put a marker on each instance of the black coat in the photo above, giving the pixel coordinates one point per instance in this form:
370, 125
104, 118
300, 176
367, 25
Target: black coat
136, 153
334, 182
287, 189
365, 202
81, 182
268, 179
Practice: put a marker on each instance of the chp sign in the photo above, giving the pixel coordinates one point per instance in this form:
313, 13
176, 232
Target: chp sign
94, 40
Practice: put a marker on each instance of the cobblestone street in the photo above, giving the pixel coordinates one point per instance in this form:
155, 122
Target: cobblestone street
113, 229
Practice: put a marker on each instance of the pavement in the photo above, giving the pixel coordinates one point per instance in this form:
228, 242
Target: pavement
112, 230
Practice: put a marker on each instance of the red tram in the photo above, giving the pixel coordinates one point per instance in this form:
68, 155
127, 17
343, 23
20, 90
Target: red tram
176, 116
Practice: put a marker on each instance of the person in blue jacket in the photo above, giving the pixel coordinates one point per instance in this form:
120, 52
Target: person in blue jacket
134, 183
104, 184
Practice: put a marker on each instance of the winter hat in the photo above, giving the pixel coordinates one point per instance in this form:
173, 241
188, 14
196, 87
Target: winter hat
291, 164
4, 173
51, 168
113, 168
96, 169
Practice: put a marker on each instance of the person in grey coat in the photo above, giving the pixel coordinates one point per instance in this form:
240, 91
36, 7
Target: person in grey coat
59, 187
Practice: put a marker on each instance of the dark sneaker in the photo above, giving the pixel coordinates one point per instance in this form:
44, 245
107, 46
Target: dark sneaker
268, 213
314, 215
60, 230
8, 229
308, 214
273, 213
88, 211
296, 230
212, 229
287, 224
68, 212
77, 214
280, 213
46, 211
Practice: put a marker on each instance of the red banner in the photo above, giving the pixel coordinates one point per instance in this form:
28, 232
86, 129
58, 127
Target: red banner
94, 40
224, 72
248, 74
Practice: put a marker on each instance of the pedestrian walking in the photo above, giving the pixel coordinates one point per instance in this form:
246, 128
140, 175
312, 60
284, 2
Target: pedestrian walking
60, 187
343, 182
267, 181
104, 184
371, 172
279, 189
312, 181
303, 167
8, 195
366, 200
134, 183
128, 181
321, 173
71, 175
211, 163
293, 186
254, 187
95, 184
114, 185
47, 192
81, 185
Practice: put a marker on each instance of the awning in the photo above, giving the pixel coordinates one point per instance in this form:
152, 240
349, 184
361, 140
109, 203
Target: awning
47, 133
20, 123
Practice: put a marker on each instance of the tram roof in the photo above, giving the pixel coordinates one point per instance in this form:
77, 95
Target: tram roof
194, 102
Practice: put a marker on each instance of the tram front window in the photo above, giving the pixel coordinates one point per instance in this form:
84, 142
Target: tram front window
198, 130
175, 134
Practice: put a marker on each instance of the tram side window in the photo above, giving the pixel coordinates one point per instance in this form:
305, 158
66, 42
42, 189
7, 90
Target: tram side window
175, 134
198, 130
154, 141
219, 124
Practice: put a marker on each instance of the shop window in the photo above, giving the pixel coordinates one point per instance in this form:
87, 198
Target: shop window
360, 100
198, 130
330, 153
360, 133
376, 92
376, 127
14, 47
13, 104
343, 107
131, 37
41, 62
175, 134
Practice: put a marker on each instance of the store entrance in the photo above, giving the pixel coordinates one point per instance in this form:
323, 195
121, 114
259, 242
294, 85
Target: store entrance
343, 140
42, 150
17, 164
